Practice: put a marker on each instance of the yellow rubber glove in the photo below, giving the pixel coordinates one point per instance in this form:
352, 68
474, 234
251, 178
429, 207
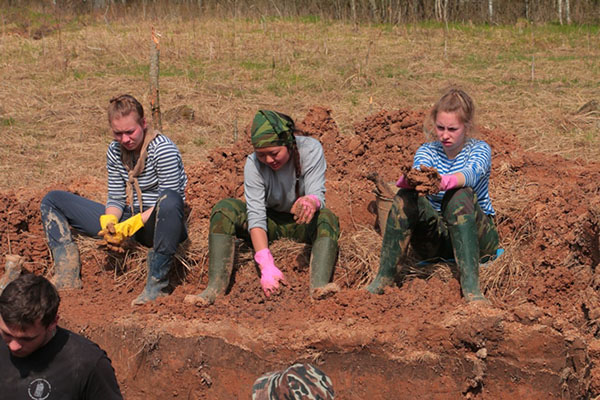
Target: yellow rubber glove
107, 219
130, 226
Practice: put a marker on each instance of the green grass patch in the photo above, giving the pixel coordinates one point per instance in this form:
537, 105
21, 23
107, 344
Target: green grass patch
255, 65
7, 121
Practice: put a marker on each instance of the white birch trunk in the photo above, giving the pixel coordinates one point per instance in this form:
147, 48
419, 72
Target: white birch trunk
437, 9
560, 19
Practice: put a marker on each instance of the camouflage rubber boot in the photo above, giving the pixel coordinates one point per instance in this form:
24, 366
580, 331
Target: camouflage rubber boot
322, 260
393, 249
12, 270
466, 253
67, 266
221, 250
158, 280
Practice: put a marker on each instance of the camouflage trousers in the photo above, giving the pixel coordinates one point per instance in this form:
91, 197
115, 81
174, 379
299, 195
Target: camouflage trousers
229, 217
412, 220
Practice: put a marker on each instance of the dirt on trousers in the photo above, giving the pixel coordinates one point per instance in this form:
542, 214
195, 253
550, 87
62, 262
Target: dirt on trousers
538, 338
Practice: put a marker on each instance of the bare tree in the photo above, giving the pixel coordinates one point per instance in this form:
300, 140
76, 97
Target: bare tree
374, 11
438, 10
560, 18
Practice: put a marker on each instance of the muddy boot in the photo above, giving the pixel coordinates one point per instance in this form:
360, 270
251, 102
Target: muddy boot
12, 270
221, 250
394, 247
157, 281
67, 266
466, 253
322, 261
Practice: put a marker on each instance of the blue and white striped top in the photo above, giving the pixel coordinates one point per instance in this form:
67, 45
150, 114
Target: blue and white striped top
474, 161
163, 170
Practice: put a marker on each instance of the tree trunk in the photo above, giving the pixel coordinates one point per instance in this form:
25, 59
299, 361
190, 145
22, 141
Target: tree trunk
560, 19
568, 11
438, 10
374, 12
353, 10
491, 10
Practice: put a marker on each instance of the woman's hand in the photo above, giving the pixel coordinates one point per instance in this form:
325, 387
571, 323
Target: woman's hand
305, 208
270, 274
448, 182
403, 184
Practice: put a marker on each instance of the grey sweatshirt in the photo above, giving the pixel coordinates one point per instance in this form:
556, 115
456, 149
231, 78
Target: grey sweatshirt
265, 188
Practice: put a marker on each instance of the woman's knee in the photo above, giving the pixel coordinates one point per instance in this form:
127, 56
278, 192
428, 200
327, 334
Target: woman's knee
226, 215
53, 198
328, 224
459, 201
169, 199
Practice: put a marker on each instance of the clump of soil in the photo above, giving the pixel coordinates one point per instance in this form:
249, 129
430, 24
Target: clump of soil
426, 180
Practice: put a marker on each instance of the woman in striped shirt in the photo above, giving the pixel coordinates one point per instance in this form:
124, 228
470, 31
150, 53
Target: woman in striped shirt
146, 184
458, 220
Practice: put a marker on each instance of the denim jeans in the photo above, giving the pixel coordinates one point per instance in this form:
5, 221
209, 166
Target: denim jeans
163, 231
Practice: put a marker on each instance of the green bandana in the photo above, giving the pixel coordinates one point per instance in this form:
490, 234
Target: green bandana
271, 128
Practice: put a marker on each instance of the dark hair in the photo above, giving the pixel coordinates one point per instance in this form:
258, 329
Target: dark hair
27, 299
295, 155
123, 105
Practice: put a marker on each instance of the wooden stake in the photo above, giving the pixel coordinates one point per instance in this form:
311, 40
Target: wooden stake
154, 72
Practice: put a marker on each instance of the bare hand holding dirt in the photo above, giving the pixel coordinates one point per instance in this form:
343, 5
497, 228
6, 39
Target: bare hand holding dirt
304, 209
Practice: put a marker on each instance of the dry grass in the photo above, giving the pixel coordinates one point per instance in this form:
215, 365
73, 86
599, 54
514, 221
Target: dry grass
54, 91
358, 257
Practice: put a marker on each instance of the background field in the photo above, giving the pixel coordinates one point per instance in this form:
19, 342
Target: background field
57, 73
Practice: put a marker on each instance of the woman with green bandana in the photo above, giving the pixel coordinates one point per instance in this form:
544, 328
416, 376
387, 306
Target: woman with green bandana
284, 186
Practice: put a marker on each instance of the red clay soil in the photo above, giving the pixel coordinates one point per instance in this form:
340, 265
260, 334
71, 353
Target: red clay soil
537, 341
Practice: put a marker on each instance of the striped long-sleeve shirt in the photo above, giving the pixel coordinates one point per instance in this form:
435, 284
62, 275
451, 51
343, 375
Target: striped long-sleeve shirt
474, 161
163, 170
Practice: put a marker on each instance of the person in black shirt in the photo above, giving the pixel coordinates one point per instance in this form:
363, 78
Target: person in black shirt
39, 359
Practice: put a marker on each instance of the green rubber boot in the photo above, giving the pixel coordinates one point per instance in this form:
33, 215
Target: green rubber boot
393, 250
67, 266
157, 280
322, 261
466, 253
221, 250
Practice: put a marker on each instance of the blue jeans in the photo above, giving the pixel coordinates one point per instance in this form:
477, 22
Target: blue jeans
163, 231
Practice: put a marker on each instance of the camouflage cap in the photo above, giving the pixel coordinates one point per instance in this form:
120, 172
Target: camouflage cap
298, 382
270, 128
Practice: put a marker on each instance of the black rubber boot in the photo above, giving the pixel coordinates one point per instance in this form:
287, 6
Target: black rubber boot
221, 249
322, 260
466, 253
67, 266
158, 280
12, 270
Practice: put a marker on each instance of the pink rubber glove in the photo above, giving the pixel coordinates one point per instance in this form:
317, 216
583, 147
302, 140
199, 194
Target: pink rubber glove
402, 184
448, 182
270, 274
